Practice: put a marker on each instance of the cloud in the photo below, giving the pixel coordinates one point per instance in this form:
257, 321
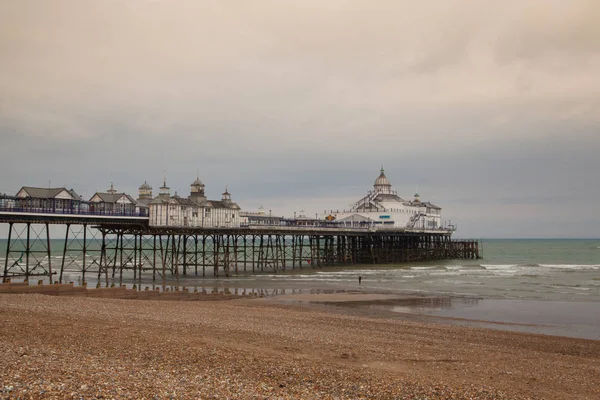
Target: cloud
299, 103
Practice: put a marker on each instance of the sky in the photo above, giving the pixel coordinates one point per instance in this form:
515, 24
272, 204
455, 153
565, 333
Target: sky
489, 109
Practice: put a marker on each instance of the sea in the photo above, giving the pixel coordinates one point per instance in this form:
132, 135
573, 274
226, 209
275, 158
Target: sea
549, 286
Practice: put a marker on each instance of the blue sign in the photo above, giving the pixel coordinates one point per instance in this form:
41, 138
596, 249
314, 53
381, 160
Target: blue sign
384, 216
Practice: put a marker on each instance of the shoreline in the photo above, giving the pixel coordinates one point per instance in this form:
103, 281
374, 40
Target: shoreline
529, 316
569, 318
247, 348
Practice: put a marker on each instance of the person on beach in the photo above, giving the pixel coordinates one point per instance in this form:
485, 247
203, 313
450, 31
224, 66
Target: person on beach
359, 279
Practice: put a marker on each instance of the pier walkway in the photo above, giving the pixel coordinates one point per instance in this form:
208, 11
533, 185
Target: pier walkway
115, 247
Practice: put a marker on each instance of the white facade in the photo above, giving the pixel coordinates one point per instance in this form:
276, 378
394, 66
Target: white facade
194, 211
382, 208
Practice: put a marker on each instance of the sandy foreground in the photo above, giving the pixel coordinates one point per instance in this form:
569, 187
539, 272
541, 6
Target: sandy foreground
77, 347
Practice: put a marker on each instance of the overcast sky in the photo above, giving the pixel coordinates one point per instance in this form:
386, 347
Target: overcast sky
490, 109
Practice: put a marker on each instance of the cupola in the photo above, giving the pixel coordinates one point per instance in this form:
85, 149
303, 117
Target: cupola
164, 190
382, 184
226, 197
197, 188
145, 192
112, 189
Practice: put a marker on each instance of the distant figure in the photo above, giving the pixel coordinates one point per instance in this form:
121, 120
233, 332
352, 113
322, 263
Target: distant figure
359, 279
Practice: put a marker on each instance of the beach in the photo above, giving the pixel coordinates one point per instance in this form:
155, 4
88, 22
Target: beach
78, 347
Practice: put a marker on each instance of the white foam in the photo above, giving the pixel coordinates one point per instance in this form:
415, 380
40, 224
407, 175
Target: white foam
499, 266
571, 266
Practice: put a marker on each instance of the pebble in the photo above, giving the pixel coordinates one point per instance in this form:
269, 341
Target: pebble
251, 349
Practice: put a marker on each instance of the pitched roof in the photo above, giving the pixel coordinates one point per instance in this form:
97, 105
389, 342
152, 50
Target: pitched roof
158, 200
387, 197
355, 217
430, 205
47, 193
75, 195
112, 197
224, 204
182, 201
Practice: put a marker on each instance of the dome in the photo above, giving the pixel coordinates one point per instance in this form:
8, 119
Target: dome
145, 186
197, 182
382, 180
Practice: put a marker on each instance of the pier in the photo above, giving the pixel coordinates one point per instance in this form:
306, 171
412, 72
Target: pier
116, 247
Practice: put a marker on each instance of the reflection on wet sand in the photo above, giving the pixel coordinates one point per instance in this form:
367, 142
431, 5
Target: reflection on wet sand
559, 318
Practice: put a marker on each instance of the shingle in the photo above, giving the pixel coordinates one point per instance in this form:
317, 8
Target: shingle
45, 193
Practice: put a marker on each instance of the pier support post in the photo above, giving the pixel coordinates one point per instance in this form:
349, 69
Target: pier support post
5, 275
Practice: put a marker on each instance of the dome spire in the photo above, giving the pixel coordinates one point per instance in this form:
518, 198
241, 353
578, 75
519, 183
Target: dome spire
165, 180
164, 190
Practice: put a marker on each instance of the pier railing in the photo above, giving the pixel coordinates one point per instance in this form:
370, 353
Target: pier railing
18, 205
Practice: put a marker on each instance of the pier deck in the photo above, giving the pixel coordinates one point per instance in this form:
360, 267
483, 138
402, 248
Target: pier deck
117, 248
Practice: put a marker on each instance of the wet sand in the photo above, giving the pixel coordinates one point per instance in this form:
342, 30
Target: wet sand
550, 317
72, 347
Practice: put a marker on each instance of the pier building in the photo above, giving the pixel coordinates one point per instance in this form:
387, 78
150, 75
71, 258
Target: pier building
112, 201
195, 210
382, 208
260, 218
57, 199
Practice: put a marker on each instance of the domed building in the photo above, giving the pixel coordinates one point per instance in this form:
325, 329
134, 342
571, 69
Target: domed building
144, 193
383, 208
195, 210
382, 184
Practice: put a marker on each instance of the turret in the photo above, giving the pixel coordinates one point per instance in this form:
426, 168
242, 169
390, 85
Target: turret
145, 192
164, 192
112, 189
226, 196
197, 190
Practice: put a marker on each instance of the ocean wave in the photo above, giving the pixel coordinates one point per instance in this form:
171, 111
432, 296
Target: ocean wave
458, 282
570, 266
499, 266
353, 272
443, 273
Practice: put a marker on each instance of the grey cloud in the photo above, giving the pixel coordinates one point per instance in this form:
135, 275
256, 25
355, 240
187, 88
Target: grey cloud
486, 109
558, 31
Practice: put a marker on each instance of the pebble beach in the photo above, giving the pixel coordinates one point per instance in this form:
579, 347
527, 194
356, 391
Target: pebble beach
91, 348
